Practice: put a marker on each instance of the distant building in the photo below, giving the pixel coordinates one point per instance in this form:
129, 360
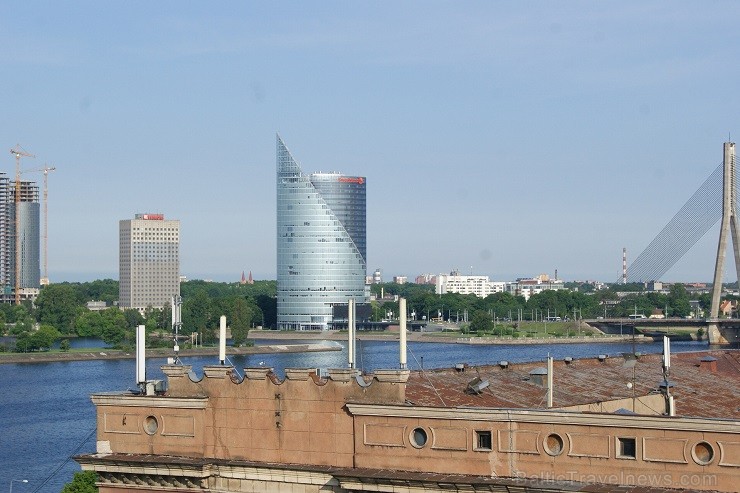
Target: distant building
480, 286
149, 261
321, 243
96, 306
654, 286
246, 280
425, 279
527, 287
27, 264
377, 276
400, 279
727, 308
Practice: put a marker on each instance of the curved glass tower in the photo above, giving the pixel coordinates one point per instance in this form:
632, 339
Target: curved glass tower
321, 243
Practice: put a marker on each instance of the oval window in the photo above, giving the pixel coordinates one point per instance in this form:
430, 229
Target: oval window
418, 437
554, 444
150, 425
703, 453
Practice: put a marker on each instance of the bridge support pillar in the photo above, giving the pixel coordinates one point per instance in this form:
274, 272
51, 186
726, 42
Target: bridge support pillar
714, 335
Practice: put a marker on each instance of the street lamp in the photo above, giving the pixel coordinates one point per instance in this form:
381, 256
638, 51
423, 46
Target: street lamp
14, 480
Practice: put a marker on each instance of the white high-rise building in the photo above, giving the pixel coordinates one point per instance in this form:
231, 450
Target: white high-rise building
149, 261
321, 243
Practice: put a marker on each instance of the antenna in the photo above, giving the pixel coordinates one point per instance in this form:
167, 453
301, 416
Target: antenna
351, 333
669, 402
666, 353
549, 381
222, 340
176, 326
402, 330
141, 357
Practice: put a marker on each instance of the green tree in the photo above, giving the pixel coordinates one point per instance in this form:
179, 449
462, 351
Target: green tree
678, 299
89, 324
57, 305
197, 315
481, 322
82, 482
114, 328
241, 314
42, 339
133, 317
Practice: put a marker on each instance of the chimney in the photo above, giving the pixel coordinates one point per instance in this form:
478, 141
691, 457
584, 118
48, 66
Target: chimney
708, 363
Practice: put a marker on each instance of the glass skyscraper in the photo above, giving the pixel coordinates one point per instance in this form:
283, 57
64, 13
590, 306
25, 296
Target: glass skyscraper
321, 243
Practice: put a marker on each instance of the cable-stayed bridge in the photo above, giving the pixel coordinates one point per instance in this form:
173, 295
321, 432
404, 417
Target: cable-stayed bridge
715, 200
697, 216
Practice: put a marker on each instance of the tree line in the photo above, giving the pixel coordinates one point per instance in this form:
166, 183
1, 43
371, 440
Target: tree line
60, 309
580, 303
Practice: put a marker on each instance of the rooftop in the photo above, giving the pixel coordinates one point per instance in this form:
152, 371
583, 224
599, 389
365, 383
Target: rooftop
700, 389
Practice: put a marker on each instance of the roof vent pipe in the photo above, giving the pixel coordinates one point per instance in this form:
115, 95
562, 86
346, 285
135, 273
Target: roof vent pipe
549, 381
222, 340
351, 333
602, 357
402, 330
141, 356
503, 364
568, 360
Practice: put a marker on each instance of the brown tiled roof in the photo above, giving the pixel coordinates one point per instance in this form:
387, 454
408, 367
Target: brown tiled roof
698, 392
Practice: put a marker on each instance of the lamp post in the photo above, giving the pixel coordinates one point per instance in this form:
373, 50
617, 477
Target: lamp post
18, 480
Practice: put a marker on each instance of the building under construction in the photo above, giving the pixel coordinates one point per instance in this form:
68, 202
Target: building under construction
26, 264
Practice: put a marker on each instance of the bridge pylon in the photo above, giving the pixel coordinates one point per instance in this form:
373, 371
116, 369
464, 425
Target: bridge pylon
730, 226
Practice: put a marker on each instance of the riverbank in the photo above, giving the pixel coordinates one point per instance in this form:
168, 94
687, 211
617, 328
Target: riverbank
56, 356
446, 339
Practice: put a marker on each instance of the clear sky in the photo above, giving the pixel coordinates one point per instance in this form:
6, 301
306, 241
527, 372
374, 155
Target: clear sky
513, 138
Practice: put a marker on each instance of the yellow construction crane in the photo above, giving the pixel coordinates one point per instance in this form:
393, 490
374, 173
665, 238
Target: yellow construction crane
18, 152
45, 170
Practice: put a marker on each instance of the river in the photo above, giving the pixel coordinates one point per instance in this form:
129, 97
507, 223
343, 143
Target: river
46, 415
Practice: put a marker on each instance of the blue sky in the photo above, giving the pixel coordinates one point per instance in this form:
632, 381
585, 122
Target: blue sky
515, 138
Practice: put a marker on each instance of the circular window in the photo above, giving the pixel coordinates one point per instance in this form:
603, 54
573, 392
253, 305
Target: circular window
150, 425
703, 453
418, 437
553, 444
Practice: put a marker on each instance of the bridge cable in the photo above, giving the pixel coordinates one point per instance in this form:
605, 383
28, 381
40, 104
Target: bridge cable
683, 231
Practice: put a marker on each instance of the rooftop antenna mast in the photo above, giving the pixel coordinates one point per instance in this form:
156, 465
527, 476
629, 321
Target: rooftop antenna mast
18, 152
176, 326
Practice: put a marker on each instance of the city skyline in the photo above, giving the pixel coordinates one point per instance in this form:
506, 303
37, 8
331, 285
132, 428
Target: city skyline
510, 140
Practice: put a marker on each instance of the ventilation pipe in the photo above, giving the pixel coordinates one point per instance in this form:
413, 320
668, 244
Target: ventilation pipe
222, 340
402, 330
549, 381
351, 333
141, 355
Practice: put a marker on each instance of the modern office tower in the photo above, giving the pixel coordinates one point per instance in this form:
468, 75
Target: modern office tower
28, 221
321, 243
149, 261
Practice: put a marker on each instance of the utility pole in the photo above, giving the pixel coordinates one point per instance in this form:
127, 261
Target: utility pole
18, 152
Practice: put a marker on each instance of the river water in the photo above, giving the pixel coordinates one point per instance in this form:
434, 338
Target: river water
46, 415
